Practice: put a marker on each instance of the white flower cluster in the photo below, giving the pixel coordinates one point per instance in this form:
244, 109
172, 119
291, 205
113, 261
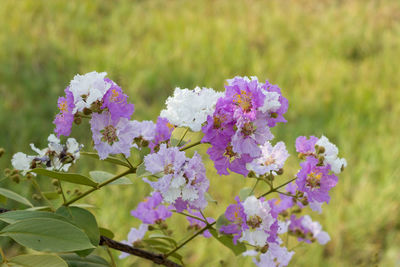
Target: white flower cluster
88, 88
190, 108
331, 155
54, 157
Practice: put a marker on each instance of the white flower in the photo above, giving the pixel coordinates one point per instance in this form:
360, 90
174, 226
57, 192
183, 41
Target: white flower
22, 162
134, 236
271, 160
316, 229
259, 220
271, 102
331, 155
190, 108
275, 256
88, 88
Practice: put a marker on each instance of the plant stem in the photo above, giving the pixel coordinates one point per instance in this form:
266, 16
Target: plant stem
189, 215
190, 146
62, 191
129, 163
100, 186
276, 188
183, 136
254, 187
37, 187
111, 257
3, 256
190, 239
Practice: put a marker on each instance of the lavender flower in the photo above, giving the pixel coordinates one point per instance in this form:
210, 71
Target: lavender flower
183, 180
110, 136
151, 211
306, 146
65, 118
163, 133
271, 160
307, 231
315, 181
135, 235
275, 256
116, 102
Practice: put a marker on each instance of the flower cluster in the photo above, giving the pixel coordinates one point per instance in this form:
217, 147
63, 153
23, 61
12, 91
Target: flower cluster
237, 124
241, 122
182, 181
55, 156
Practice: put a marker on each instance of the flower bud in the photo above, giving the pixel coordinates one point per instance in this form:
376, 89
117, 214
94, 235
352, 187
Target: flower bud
2, 151
77, 120
55, 182
321, 150
301, 156
29, 176
14, 172
251, 174
15, 178
304, 201
59, 191
7, 172
151, 228
87, 111
68, 191
164, 226
274, 115
36, 197
280, 171
264, 249
170, 232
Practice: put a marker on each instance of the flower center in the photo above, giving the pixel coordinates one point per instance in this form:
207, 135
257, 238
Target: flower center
254, 221
229, 152
114, 95
314, 179
64, 106
109, 134
270, 160
217, 122
243, 100
248, 129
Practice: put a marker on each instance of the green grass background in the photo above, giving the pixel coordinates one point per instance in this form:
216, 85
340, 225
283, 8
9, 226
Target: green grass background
336, 61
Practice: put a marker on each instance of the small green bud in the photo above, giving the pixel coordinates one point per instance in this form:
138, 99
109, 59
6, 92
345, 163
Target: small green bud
301, 156
55, 182
342, 168
87, 111
29, 176
151, 228
284, 213
138, 244
59, 191
2, 151
164, 226
77, 120
68, 159
76, 191
264, 249
274, 115
280, 171
170, 232
321, 150
68, 191
36, 197
14, 172
145, 143
15, 178
251, 174
304, 201
7, 172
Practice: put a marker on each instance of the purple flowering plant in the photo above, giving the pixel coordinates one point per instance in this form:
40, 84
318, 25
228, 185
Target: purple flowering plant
236, 126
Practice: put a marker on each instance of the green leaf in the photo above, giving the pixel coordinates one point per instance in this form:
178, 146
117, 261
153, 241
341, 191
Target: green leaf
84, 220
105, 232
20, 215
14, 196
164, 237
113, 160
245, 193
38, 261
46, 208
3, 199
166, 250
156, 242
227, 241
209, 198
101, 176
45, 234
51, 195
141, 171
90, 261
67, 177
222, 220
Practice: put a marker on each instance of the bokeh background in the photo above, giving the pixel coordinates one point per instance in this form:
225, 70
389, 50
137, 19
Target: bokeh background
336, 61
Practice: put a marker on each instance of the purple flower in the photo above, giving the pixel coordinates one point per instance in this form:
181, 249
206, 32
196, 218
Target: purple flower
116, 102
143, 132
272, 159
225, 158
111, 136
151, 211
275, 113
182, 181
197, 224
315, 181
307, 230
65, 118
163, 133
275, 256
306, 146
246, 97
134, 235
235, 214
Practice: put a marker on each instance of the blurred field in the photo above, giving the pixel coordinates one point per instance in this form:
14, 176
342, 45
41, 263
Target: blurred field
336, 61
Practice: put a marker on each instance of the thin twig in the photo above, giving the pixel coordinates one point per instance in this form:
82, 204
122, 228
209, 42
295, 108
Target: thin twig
276, 188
